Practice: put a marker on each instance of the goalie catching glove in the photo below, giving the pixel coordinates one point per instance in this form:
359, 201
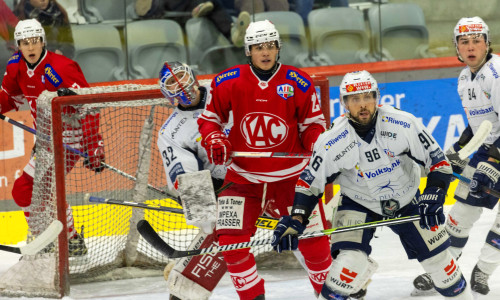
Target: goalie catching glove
218, 148
431, 207
487, 175
285, 236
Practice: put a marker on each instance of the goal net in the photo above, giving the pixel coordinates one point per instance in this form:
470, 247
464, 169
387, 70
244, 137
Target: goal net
128, 117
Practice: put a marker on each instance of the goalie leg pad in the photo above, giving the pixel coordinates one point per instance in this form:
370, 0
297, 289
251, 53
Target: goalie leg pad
316, 252
447, 276
459, 224
194, 278
489, 259
198, 199
350, 272
242, 268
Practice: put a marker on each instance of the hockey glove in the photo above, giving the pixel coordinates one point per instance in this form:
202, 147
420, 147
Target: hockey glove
285, 235
218, 147
487, 175
458, 165
431, 207
95, 155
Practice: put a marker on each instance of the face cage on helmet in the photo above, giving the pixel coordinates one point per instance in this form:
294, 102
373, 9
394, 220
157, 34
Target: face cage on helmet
185, 92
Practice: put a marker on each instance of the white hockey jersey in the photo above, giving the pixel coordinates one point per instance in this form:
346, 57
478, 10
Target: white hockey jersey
385, 168
179, 143
481, 96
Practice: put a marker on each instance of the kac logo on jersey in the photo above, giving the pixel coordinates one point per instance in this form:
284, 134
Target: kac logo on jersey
52, 75
285, 91
263, 130
302, 82
230, 74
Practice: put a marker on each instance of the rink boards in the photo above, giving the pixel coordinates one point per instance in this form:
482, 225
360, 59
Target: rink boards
13, 226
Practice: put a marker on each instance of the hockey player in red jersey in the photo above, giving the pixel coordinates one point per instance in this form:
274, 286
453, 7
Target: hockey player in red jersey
30, 71
275, 108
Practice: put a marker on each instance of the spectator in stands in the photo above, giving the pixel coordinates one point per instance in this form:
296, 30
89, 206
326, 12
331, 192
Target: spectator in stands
257, 6
9, 21
304, 7
54, 20
213, 10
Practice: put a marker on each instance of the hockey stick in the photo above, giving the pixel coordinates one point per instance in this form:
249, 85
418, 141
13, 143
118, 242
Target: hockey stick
40, 242
84, 155
271, 154
475, 142
485, 189
157, 207
262, 222
152, 237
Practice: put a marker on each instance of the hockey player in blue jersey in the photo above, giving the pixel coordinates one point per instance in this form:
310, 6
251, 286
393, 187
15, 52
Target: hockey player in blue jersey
479, 90
375, 153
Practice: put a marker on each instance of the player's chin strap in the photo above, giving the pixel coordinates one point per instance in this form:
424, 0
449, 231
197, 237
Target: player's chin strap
264, 74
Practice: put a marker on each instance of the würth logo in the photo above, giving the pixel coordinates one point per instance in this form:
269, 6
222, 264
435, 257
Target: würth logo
263, 130
347, 275
449, 269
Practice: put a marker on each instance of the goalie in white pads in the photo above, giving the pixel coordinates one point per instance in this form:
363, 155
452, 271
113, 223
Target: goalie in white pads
479, 90
179, 144
374, 154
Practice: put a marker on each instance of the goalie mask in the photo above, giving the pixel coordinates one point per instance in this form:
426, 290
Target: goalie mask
30, 28
261, 32
178, 83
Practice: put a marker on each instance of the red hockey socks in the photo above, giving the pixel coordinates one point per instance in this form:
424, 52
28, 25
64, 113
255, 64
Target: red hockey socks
318, 259
242, 268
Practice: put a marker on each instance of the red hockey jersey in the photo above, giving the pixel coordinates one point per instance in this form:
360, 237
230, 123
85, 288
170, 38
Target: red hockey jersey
281, 114
52, 73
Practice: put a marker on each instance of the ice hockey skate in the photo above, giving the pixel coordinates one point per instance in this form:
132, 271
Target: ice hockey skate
479, 281
423, 286
77, 249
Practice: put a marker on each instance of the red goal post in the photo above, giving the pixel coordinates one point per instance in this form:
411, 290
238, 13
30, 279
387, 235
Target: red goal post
109, 230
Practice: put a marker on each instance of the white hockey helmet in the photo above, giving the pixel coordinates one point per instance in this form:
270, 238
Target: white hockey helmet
356, 83
474, 25
28, 29
260, 32
182, 89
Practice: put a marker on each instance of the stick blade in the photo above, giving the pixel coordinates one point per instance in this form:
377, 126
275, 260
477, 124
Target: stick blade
44, 239
150, 235
477, 140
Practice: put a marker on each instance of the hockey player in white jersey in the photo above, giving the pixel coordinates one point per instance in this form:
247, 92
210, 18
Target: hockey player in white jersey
375, 153
179, 145
479, 90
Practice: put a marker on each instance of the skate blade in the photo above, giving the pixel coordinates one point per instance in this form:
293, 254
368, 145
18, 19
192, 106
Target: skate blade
422, 293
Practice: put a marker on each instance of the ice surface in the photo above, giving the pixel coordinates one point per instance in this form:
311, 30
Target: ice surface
392, 281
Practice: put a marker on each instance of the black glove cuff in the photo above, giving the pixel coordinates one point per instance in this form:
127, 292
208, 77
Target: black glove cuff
494, 153
302, 211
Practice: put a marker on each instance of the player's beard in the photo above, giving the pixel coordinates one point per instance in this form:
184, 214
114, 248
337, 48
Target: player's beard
364, 120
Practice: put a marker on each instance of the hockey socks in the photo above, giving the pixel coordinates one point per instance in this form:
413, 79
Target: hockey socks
316, 252
242, 268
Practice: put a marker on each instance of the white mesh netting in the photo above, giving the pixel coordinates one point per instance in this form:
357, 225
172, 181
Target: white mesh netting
129, 129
